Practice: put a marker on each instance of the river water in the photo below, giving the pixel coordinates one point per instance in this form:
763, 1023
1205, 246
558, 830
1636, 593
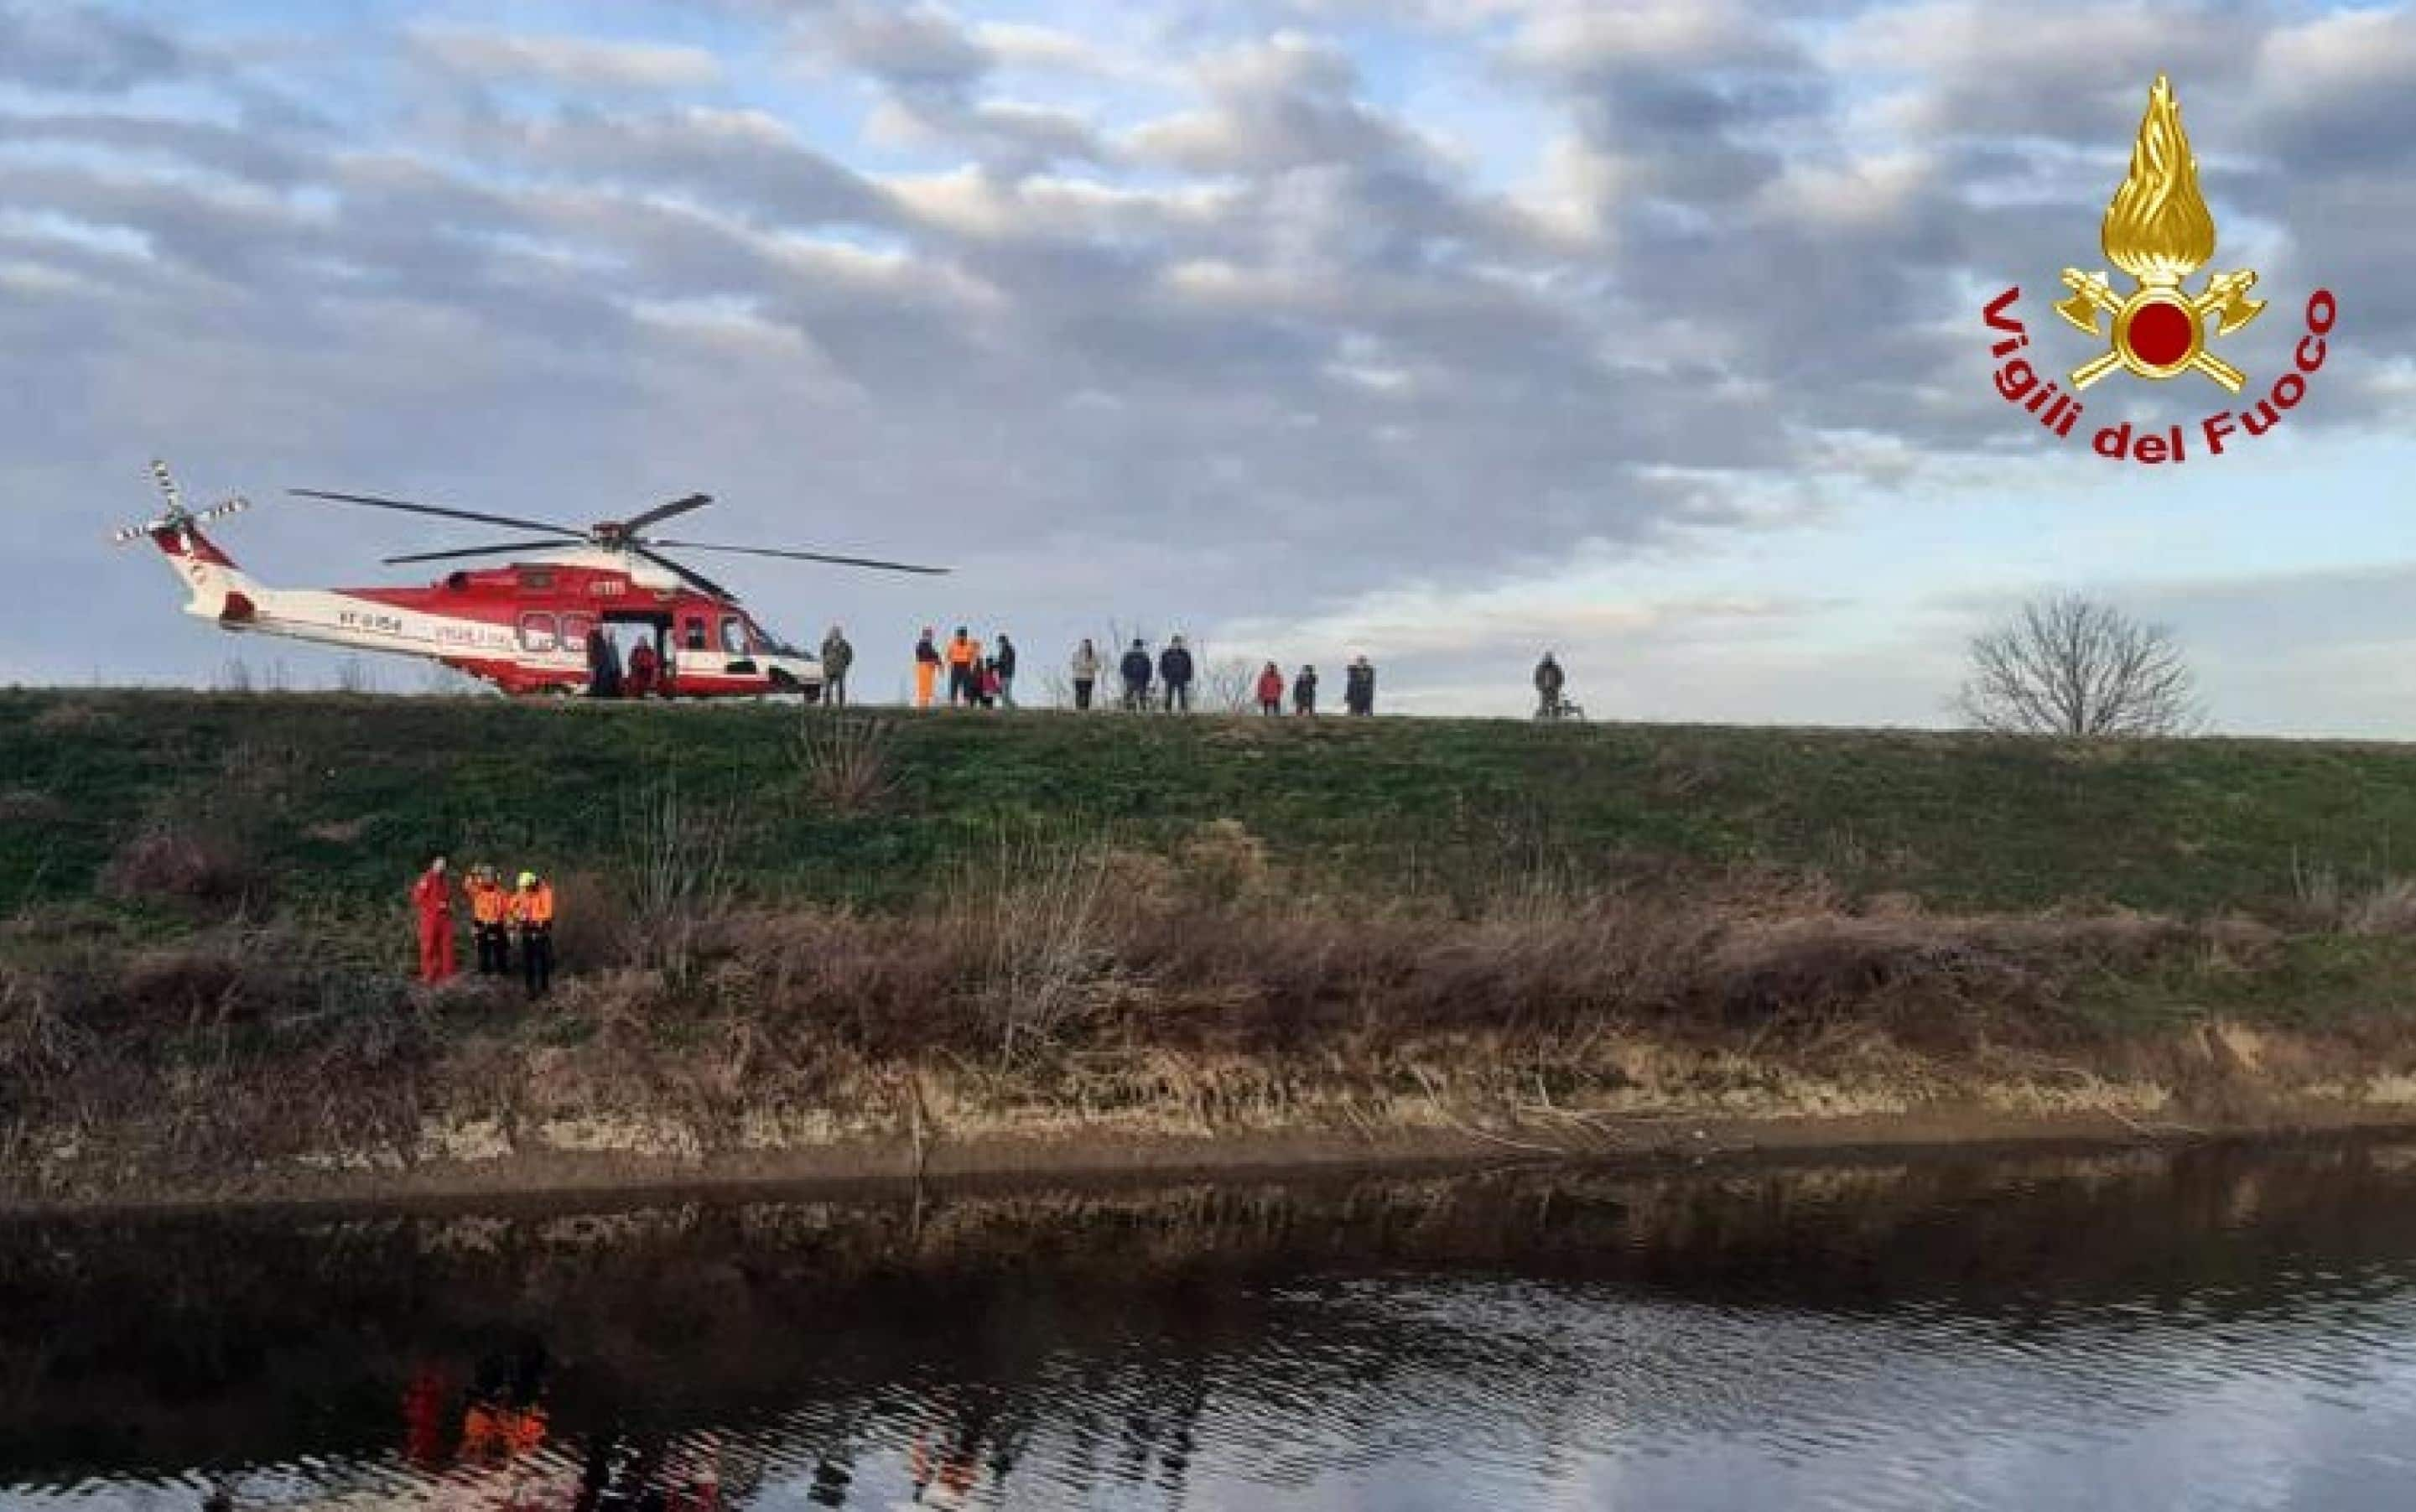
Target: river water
2218, 1328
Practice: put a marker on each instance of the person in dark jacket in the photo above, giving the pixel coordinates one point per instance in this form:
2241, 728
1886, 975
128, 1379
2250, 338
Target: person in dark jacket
603, 665
1303, 691
1004, 656
1136, 669
1549, 681
1174, 671
1359, 687
838, 657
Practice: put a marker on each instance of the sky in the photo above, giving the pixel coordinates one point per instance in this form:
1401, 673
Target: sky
1441, 330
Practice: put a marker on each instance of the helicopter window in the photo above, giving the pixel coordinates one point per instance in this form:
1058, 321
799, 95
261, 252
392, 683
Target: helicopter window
574, 629
733, 635
692, 633
537, 632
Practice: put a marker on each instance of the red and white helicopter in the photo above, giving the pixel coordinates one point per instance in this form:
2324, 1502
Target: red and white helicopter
523, 626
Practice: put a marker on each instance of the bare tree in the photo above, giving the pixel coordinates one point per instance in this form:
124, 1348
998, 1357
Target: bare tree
1229, 686
2071, 665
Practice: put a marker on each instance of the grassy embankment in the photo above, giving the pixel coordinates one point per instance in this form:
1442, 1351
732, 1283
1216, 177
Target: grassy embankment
945, 933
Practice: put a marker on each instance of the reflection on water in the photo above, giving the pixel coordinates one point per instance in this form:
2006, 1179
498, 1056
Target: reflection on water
2217, 1329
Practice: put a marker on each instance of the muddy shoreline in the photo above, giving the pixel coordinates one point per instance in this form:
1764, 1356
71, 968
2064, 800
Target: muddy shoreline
555, 1180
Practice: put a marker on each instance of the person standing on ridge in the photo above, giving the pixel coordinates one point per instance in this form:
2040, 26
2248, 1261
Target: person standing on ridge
1271, 690
838, 657
489, 909
1304, 690
1174, 670
1004, 659
643, 665
1359, 687
1135, 669
1549, 680
532, 914
432, 897
964, 667
603, 665
926, 668
1085, 669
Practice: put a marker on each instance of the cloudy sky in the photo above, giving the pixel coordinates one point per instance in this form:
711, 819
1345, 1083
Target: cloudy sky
1441, 330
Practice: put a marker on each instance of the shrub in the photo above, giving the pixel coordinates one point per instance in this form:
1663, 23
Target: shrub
190, 864
847, 762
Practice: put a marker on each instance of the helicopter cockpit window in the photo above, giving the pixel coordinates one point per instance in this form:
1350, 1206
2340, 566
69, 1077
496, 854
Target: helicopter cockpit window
733, 635
538, 632
692, 633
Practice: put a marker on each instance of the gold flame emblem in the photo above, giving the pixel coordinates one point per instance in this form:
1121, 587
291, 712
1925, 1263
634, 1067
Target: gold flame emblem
2159, 231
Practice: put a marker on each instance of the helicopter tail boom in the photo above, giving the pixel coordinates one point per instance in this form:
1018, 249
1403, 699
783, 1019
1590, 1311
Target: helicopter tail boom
216, 588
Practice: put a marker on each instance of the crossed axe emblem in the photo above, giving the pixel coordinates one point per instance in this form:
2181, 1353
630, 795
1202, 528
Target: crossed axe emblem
2174, 338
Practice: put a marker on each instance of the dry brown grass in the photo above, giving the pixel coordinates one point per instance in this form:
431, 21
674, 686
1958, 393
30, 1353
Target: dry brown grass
1046, 955
846, 762
1054, 984
192, 864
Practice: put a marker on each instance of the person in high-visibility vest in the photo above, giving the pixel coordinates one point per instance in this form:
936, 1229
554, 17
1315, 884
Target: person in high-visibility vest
532, 914
964, 668
490, 907
432, 897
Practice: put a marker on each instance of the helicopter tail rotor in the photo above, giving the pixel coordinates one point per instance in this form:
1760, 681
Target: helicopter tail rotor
176, 515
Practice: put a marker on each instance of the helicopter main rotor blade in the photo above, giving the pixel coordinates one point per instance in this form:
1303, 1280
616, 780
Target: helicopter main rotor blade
807, 556
408, 507
664, 511
474, 550
688, 575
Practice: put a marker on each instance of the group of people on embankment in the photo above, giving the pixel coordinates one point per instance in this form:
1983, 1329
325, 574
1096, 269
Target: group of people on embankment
503, 921
978, 677
983, 677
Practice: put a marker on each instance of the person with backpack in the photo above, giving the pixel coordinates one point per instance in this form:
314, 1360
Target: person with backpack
1304, 690
1136, 669
1271, 688
1174, 670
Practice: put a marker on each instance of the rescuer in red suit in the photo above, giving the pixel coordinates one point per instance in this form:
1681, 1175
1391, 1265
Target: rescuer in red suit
431, 896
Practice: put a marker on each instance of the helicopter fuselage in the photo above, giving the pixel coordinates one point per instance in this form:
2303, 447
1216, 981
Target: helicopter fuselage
523, 627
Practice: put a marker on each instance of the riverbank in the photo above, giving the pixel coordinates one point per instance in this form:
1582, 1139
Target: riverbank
801, 948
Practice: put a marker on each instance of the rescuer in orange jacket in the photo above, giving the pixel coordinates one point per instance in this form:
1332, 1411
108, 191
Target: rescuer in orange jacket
431, 896
964, 668
491, 908
532, 916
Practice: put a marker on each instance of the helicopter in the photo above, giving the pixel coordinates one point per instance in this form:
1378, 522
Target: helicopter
525, 626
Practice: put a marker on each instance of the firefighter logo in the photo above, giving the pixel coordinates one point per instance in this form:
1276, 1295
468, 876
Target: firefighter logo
2158, 230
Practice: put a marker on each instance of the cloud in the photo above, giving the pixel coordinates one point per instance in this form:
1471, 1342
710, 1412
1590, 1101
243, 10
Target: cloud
82, 47
1265, 325
577, 61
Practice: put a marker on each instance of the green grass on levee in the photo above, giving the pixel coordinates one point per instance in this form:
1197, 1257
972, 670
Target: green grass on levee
345, 792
